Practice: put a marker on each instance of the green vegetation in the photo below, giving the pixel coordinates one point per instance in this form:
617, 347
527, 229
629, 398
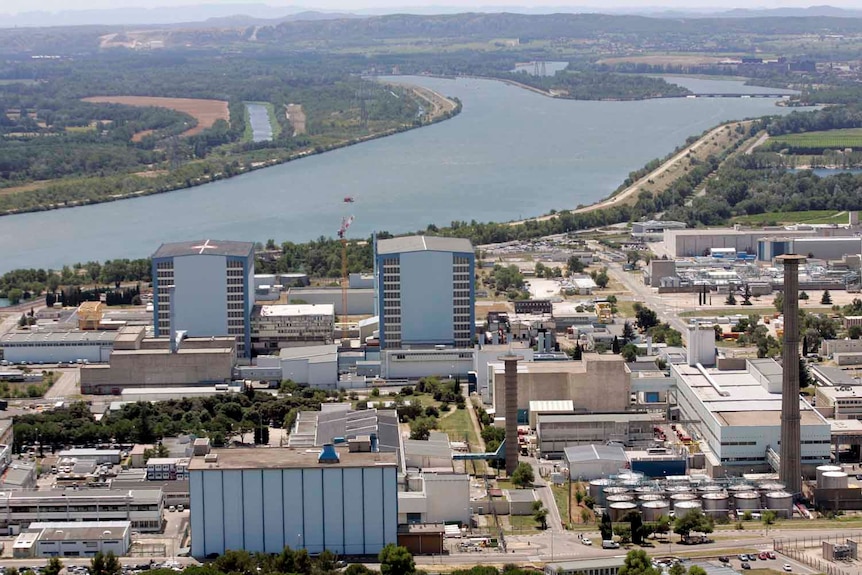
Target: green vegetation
815, 142
586, 85
807, 217
523, 476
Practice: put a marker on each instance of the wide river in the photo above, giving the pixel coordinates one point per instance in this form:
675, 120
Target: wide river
510, 154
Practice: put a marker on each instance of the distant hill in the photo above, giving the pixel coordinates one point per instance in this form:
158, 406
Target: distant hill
810, 12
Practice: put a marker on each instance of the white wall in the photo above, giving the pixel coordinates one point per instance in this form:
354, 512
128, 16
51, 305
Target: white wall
323, 374
53, 354
427, 310
346, 510
448, 497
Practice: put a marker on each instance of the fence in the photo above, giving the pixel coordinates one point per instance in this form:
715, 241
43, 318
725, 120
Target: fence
148, 550
795, 548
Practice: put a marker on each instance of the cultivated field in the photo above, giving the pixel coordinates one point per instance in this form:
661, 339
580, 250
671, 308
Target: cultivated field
832, 139
206, 112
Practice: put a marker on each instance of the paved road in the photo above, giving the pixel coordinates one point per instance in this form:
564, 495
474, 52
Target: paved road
543, 490
66, 386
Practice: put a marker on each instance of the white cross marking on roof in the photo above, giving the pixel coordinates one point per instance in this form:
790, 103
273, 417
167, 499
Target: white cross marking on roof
205, 246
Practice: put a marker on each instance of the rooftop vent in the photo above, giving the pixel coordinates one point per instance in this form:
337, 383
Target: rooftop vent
328, 455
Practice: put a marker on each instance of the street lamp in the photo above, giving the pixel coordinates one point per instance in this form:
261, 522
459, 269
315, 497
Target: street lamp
299, 540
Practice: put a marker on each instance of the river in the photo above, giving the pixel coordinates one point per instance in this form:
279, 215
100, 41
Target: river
510, 154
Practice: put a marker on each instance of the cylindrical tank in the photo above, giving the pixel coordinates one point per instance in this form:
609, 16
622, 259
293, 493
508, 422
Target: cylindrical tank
597, 487
769, 486
631, 476
651, 497
821, 469
611, 499
645, 489
710, 488
683, 497
652, 510
621, 509
678, 489
680, 508
715, 503
781, 502
832, 480
740, 488
746, 501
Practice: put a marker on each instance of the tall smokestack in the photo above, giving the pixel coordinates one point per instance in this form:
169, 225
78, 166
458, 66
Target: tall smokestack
790, 472
510, 361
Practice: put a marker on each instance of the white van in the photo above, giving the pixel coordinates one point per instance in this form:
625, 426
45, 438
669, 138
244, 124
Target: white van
608, 544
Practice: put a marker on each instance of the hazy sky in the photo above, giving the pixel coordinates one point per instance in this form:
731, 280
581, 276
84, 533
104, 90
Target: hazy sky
14, 6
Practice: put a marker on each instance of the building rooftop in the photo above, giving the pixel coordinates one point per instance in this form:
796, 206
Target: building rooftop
287, 458
583, 453
205, 247
292, 310
84, 531
325, 352
559, 405
423, 244
73, 336
739, 398
544, 418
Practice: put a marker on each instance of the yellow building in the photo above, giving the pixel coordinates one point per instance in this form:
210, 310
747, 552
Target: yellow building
90, 315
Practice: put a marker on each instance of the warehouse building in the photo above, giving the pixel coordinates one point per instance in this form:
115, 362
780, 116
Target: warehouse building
554, 433
686, 243
142, 508
430, 497
204, 288
73, 539
262, 500
587, 462
737, 410
425, 291
44, 346
831, 248
276, 326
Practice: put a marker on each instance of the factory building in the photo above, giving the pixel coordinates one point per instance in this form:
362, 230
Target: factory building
46, 346
686, 243
204, 288
262, 500
587, 462
556, 432
425, 292
73, 539
738, 408
843, 402
430, 497
142, 508
598, 383
277, 326
828, 248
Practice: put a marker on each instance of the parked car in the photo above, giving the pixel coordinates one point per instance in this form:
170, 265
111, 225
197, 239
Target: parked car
587, 541
771, 554
742, 557
787, 567
724, 559
763, 556
745, 566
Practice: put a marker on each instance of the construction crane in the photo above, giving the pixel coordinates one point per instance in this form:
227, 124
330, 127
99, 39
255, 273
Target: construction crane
342, 231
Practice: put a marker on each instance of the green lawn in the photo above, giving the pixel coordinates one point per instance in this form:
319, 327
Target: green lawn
562, 500
809, 217
835, 139
458, 425
522, 523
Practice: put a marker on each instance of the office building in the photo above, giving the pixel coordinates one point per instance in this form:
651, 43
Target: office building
425, 292
277, 326
738, 410
143, 508
262, 500
72, 539
204, 288
168, 468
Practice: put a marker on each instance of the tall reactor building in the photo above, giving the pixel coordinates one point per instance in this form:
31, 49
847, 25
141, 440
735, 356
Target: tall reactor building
425, 292
211, 283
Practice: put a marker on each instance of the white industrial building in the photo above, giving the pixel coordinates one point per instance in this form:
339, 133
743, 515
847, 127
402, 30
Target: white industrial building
738, 414
316, 365
683, 243
359, 301
277, 326
73, 539
434, 498
42, 346
168, 468
100, 456
587, 462
141, 507
262, 500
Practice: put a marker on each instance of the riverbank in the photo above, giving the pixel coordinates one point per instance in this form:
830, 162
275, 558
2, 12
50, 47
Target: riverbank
443, 109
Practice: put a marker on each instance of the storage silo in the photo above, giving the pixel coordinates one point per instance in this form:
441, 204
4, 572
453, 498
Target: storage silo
651, 497
781, 502
673, 489
621, 509
652, 510
715, 503
740, 488
832, 480
680, 508
683, 497
710, 488
770, 486
597, 487
611, 499
649, 489
746, 501
821, 469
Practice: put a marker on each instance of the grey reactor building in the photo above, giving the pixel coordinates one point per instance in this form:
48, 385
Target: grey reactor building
204, 288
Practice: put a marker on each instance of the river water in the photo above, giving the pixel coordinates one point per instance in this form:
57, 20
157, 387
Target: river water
510, 154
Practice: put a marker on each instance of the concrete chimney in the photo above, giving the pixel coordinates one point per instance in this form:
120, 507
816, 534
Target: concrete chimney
790, 472
510, 361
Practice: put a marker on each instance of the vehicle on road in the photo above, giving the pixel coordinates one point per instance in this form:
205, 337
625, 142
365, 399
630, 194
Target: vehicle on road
763, 556
724, 559
787, 567
608, 544
770, 554
586, 541
742, 557
745, 566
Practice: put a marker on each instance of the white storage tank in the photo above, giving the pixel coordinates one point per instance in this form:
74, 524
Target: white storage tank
770, 486
611, 499
683, 497
821, 469
597, 489
647, 489
621, 509
710, 488
832, 480
781, 502
680, 508
715, 503
678, 489
651, 497
746, 501
652, 510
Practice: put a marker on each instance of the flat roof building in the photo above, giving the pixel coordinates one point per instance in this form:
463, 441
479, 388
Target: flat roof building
262, 500
276, 326
48, 346
73, 539
211, 283
425, 291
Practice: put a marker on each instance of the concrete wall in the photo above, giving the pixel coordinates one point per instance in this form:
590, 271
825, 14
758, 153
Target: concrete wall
659, 269
448, 497
413, 364
833, 346
359, 301
349, 511
595, 384
848, 358
426, 298
200, 298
